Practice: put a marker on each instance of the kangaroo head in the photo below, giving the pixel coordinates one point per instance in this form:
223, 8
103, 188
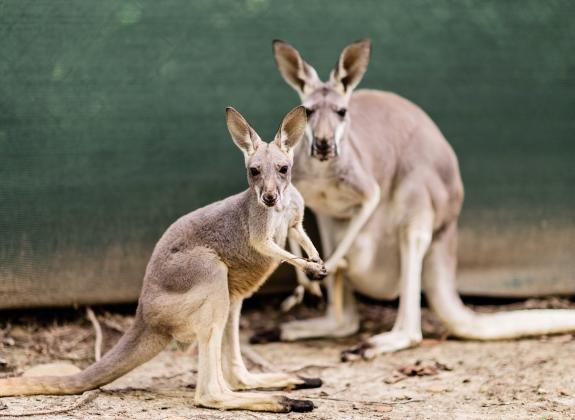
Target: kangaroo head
325, 102
268, 164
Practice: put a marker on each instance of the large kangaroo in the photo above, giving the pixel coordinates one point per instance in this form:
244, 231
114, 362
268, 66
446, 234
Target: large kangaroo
202, 268
386, 190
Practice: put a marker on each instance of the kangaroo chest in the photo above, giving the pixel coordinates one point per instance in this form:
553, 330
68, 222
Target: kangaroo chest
278, 225
330, 196
249, 270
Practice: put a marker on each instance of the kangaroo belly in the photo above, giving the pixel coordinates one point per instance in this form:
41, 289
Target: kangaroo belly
373, 260
374, 268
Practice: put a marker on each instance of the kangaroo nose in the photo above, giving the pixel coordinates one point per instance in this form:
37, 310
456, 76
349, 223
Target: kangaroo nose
269, 199
322, 145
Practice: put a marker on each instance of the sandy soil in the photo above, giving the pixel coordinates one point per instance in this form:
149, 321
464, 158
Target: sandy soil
530, 378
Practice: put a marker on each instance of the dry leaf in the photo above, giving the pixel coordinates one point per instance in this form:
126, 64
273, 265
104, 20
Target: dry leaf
421, 368
395, 378
383, 408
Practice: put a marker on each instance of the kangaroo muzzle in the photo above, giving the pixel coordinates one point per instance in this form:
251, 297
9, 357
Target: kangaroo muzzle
269, 199
323, 149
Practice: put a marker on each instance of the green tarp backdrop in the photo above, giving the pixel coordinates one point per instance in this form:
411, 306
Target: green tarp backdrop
112, 125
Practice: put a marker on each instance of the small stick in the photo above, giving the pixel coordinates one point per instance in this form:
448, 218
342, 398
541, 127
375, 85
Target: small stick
256, 359
113, 325
315, 366
98, 330
367, 402
84, 399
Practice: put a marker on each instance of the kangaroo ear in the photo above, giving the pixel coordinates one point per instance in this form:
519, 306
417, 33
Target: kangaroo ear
242, 134
299, 74
291, 129
351, 66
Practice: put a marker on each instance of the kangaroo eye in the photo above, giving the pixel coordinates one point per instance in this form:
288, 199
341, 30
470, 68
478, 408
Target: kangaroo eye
309, 112
283, 169
254, 171
341, 112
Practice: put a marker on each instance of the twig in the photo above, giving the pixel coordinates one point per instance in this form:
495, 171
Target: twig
367, 402
110, 323
250, 414
98, 330
68, 345
497, 404
256, 359
84, 399
315, 366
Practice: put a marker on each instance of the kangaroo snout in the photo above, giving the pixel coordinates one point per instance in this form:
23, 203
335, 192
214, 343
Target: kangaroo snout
323, 148
269, 199
321, 143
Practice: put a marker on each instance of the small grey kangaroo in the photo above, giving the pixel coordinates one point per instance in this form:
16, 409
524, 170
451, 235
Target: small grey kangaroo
201, 269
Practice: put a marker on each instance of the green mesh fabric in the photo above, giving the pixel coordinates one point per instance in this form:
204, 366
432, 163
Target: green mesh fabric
112, 121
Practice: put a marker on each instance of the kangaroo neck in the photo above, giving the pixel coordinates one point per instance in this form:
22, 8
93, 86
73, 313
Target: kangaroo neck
259, 213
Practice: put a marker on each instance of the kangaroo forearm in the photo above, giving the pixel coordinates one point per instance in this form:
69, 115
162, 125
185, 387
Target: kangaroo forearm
298, 235
271, 249
295, 248
355, 226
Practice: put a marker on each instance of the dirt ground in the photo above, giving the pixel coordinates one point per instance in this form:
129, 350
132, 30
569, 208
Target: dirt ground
443, 378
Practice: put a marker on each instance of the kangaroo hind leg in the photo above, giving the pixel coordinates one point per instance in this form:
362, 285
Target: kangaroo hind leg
414, 240
209, 323
236, 372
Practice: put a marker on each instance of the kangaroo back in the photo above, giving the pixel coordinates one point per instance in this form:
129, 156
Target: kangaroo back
138, 345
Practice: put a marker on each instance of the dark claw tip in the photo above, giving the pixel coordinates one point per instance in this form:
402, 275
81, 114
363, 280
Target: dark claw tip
316, 275
267, 336
355, 352
298, 406
309, 383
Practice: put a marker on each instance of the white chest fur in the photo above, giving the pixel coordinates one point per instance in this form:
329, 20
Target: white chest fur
326, 196
278, 222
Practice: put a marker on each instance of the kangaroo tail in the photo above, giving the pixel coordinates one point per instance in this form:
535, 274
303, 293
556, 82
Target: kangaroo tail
138, 345
463, 322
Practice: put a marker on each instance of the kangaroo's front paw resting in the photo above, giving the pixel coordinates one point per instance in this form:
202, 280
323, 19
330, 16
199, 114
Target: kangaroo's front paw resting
315, 270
